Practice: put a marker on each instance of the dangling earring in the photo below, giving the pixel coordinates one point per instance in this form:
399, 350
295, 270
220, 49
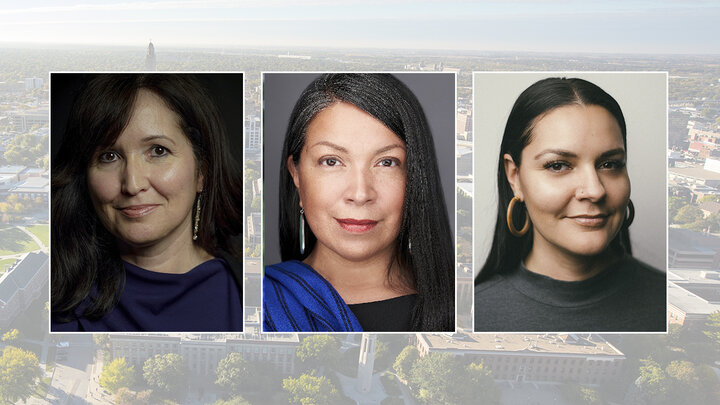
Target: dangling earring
197, 218
509, 217
302, 231
631, 213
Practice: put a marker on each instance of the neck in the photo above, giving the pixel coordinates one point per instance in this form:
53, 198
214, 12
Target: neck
358, 281
565, 266
173, 255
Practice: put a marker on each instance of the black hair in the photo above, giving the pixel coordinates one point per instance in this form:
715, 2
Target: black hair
84, 254
429, 267
537, 100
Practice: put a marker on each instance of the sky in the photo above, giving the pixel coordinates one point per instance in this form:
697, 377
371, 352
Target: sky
611, 26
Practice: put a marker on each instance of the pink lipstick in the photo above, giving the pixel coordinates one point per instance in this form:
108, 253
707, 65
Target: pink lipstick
356, 225
590, 221
138, 211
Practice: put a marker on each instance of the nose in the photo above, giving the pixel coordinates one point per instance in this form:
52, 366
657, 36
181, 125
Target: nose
590, 186
360, 187
134, 177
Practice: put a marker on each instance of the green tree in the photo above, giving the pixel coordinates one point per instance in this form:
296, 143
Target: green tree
708, 198
237, 400
476, 382
712, 327
654, 382
232, 373
117, 374
19, 372
11, 336
318, 350
685, 382
405, 361
432, 378
688, 214
310, 390
167, 373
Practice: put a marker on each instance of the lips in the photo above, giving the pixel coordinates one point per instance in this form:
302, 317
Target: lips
356, 225
138, 211
591, 221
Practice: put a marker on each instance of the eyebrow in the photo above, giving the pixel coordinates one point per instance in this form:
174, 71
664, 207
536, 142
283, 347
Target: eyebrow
344, 150
159, 136
569, 154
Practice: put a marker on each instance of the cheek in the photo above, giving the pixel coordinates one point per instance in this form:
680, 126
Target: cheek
546, 198
103, 187
175, 179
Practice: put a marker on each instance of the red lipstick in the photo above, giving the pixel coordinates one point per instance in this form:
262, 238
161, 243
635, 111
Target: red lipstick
356, 225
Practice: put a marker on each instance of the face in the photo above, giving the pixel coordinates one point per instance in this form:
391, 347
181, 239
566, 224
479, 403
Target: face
351, 180
573, 180
144, 185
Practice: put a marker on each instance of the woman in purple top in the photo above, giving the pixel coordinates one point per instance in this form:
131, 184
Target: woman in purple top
146, 202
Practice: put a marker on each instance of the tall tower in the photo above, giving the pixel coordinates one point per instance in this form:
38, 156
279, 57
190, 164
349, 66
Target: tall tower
150, 60
366, 362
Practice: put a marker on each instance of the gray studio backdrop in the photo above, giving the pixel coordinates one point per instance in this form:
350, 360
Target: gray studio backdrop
643, 99
436, 93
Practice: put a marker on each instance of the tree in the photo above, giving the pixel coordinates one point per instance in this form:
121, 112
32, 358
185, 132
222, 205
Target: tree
310, 390
318, 350
19, 372
101, 339
708, 198
712, 327
653, 381
432, 376
232, 373
688, 214
477, 382
167, 373
685, 382
405, 361
124, 396
117, 374
237, 400
11, 336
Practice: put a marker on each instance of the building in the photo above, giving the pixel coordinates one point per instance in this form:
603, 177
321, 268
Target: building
22, 121
547, 358
692, 250
252, 132
203, 352
693, 295
21, 285
32, 187
694, 176
150, 58
32, 83
254, 221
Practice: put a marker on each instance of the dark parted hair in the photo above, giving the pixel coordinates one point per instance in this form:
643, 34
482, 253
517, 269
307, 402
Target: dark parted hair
534, 103
428, 263
84, 254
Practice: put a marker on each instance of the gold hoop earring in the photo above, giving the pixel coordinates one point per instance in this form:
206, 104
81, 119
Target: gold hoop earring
196, 226
631, 213
509, 217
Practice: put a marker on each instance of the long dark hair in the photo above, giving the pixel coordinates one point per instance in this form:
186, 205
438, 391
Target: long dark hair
429, 267
84, 253
537, 100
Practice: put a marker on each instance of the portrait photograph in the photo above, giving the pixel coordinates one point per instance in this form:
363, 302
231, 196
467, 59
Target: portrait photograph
570, 223
359, 202
146, 202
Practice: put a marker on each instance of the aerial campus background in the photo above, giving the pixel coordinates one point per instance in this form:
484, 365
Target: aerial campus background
462, 37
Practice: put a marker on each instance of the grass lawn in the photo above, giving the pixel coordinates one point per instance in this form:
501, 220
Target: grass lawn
13, 241
41, 231
42, 388
5, 262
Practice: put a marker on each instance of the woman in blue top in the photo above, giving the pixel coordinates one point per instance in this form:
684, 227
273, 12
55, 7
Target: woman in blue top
145, 203
364, 233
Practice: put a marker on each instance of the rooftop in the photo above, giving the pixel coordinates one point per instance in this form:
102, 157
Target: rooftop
694, 172
688, 302
541, 344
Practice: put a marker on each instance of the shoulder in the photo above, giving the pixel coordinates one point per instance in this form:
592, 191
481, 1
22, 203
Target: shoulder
491, 289
645, 272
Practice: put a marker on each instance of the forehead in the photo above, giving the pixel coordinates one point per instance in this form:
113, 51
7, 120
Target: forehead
149, 116
348, 126
577, 128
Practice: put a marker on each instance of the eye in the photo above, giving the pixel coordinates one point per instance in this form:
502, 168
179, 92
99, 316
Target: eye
159, 151
107, 157
329, 161
612, 165
389, 162
557, 166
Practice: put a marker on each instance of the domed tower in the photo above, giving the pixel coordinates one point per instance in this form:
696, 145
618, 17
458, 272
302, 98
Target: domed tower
150, 59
